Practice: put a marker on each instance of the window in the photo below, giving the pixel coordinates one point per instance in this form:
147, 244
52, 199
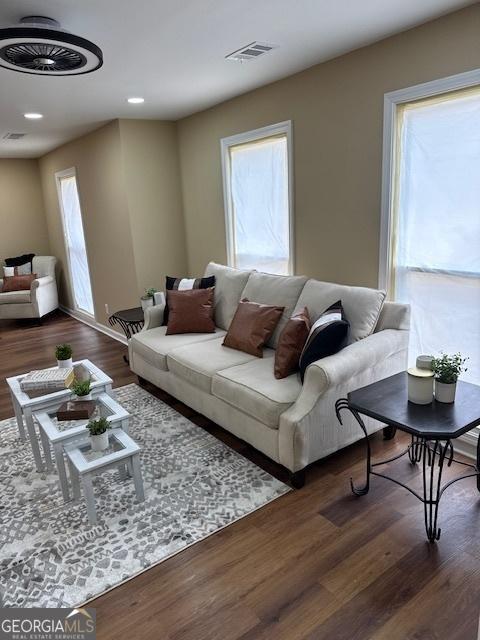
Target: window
434, 223
75, 241
257, 178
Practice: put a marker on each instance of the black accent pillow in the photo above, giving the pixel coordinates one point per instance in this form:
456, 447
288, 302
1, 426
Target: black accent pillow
19, 260
185, 284
327, 336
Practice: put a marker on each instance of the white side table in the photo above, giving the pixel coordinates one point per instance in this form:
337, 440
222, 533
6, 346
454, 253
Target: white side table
84, 463
57, 434
27, 402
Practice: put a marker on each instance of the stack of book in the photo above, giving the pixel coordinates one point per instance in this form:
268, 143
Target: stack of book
47, 380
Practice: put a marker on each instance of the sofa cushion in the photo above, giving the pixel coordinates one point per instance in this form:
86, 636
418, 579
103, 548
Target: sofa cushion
362, 306
15, 297
154, 346
253, 388
229, 284
282, 291
198, 363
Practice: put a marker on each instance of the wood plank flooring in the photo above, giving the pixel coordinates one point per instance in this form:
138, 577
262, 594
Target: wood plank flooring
316, 564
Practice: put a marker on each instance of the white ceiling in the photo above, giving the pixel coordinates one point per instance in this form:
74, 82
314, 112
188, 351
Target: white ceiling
171, 52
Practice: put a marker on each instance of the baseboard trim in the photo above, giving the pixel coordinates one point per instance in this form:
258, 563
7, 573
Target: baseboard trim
95, 325
467, 444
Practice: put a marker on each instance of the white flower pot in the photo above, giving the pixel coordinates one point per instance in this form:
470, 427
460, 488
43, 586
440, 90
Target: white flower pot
76, 398
146, 302
100, 442
445, 392
65, 364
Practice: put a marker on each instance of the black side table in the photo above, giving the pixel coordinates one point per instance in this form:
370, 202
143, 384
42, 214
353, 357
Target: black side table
131, 321
432, 428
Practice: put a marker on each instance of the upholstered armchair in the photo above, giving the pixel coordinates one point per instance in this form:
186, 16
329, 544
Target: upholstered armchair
39, 300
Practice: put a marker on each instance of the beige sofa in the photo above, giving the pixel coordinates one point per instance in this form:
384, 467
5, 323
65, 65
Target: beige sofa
291, 423
36, 302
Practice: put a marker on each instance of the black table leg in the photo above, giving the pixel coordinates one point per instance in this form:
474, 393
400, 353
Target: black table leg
433, 460
415, 450
478, 463
389, 432
339, 406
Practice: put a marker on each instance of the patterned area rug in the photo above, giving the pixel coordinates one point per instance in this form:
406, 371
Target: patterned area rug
194, 485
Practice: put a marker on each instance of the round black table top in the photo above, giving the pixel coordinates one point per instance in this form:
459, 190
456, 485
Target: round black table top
387, 401
129, 315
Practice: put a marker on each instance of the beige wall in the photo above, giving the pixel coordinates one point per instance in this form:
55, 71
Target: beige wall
337, 114
129, 187
97, 158
152, 183
23, 227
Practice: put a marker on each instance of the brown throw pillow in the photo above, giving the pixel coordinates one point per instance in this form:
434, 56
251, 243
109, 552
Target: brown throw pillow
190, 311
291, 343
252, 326
18, 283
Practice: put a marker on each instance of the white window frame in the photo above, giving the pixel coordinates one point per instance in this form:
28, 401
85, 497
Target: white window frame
281, 128
466, 444
390, 110
72, 173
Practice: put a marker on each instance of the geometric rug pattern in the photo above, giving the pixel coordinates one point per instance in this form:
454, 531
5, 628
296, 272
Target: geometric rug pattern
50, 556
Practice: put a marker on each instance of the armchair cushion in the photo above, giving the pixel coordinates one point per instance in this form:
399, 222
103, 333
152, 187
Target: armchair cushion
15, 297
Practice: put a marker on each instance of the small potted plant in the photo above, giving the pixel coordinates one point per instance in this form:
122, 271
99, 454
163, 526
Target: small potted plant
99, 433
147, 299
81, 389
63, 353
447, 370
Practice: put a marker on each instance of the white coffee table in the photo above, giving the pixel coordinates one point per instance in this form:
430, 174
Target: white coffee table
27, 402
57, 433
84, 463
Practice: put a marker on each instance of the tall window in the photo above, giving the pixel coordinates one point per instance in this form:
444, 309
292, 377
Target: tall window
435, 223
75, 241
258, 199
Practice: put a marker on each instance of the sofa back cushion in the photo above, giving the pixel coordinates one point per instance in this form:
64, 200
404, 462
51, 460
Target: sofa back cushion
229, 284
281, 291
361, 305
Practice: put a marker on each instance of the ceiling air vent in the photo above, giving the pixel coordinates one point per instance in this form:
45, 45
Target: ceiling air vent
14, 136
250, 52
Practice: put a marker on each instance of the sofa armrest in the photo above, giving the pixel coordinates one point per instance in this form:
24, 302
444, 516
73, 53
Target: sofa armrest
153, 317
309, 430
44, 296
41, 282
356, 357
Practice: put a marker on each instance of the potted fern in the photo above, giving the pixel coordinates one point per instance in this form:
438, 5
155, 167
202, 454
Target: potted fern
81, 389
447, 370
98, 430
63, 353
147, 299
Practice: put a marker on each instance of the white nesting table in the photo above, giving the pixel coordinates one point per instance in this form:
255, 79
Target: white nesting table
25, 403
59, 433
84, 463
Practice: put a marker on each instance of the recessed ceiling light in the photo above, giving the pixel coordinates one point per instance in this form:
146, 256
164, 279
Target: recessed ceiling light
136, 100
33, 116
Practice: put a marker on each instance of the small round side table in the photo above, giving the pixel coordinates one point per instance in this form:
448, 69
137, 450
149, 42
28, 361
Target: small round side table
130, 320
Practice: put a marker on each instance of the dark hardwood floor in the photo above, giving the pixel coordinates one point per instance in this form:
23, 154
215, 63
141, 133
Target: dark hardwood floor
315, 564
